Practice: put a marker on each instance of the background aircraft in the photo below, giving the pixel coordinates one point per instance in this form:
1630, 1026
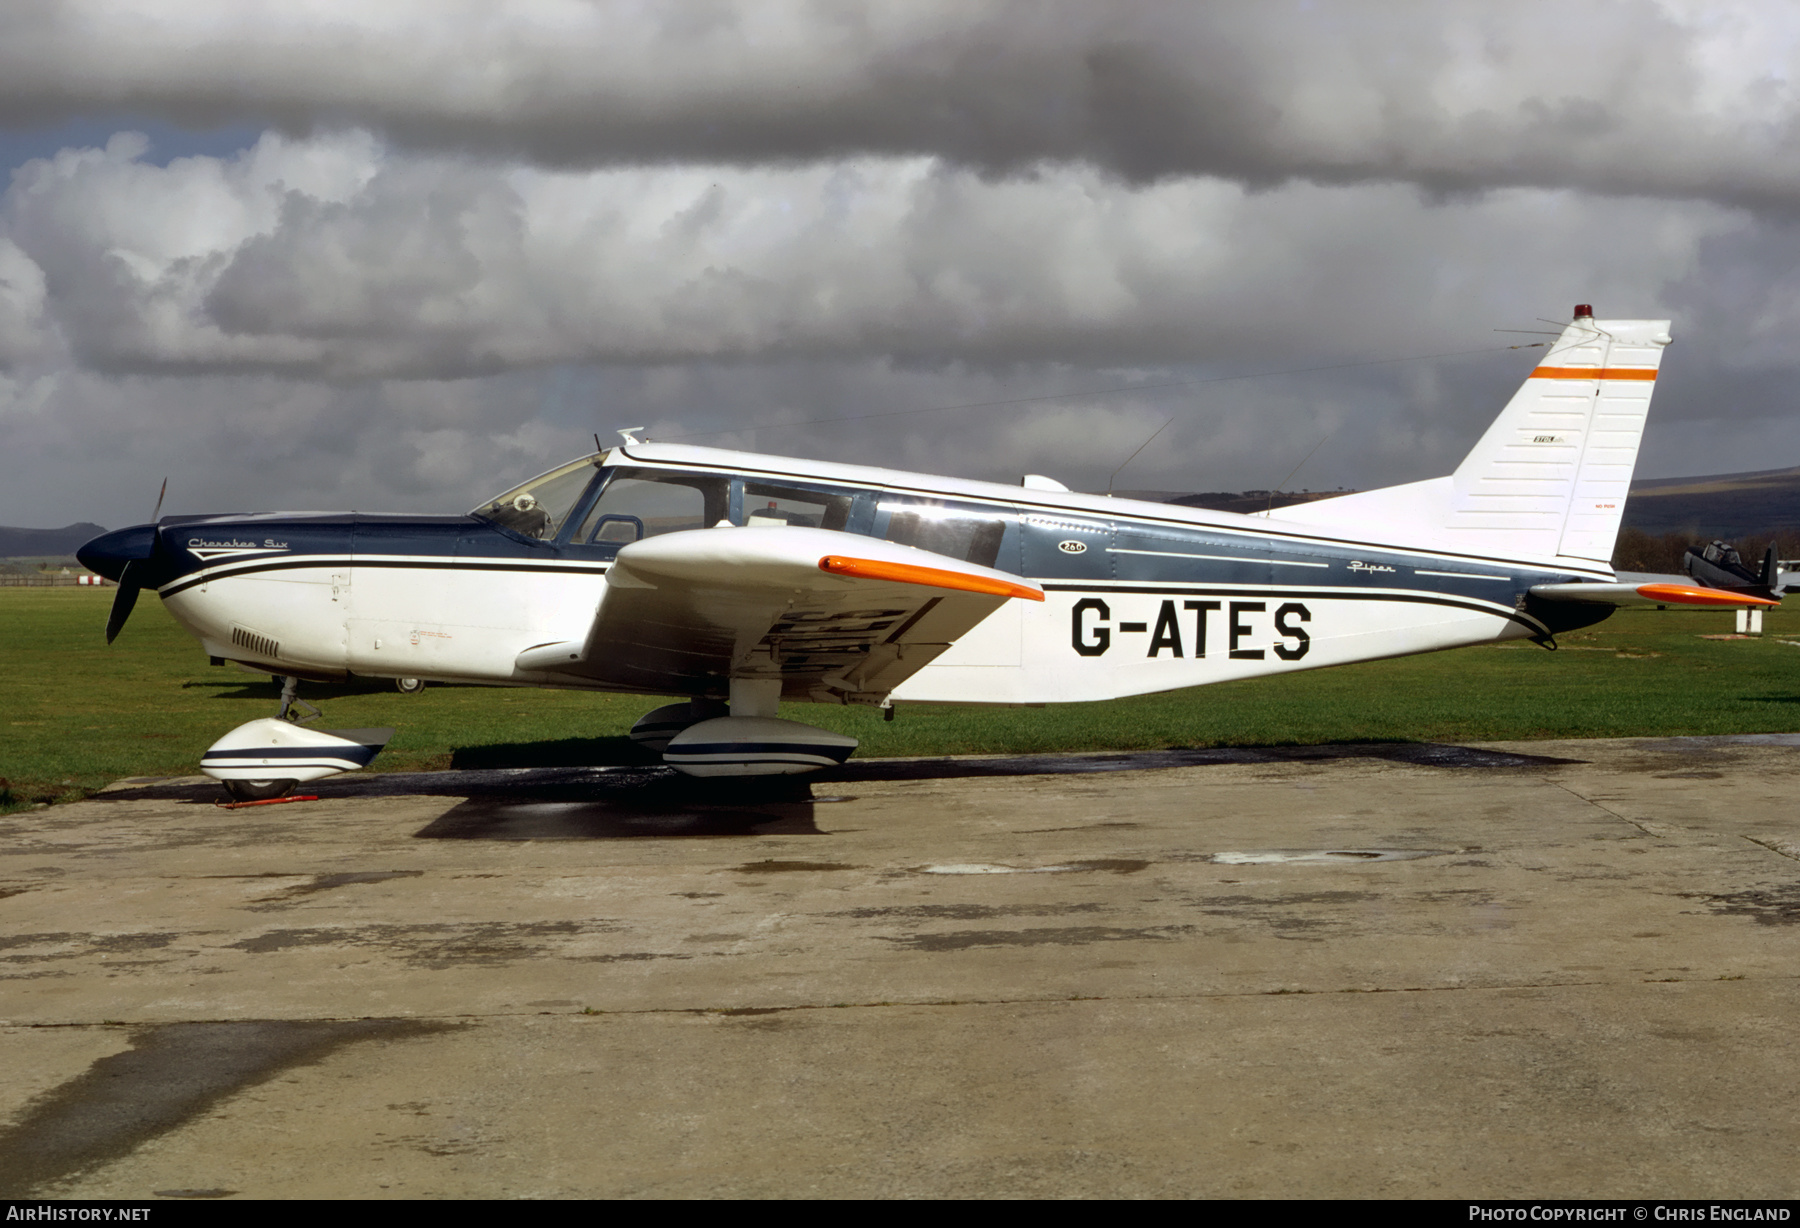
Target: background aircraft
737, 581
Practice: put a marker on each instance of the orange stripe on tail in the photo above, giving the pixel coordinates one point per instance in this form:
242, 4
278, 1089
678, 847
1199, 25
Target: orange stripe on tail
1593, 373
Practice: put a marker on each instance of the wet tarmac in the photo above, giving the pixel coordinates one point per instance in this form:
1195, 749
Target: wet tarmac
1385, 969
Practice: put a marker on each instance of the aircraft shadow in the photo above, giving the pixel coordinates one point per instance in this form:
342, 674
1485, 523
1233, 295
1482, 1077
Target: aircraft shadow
1431, 754
564, 752
573, 802
513, 800
618, 806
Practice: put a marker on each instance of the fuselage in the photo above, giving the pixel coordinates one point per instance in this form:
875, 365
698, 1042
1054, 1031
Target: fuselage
1140, 597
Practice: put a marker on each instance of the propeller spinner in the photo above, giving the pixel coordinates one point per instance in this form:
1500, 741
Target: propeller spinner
124, 556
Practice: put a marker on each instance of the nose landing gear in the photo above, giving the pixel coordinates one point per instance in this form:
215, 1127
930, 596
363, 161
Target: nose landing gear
287, 709
267, 758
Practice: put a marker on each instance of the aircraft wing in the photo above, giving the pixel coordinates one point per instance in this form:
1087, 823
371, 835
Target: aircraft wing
835, 616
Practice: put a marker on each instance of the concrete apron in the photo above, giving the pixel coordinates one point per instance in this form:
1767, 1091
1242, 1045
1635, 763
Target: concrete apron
1544, 969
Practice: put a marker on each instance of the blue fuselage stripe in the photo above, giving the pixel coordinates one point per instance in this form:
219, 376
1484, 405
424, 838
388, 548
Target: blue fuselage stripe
1142, 555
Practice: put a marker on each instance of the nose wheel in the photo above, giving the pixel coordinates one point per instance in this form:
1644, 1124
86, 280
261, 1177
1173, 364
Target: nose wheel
258, 790
246, 760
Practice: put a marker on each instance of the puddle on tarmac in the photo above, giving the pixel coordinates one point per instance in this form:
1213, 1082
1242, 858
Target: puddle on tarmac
495, 819
778, 867
972, 867
1115, 866
626, 806
1264, 857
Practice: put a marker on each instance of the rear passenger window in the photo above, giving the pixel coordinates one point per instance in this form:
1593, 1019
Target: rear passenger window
948, 531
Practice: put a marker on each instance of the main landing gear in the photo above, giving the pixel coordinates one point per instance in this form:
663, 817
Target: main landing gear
704, 737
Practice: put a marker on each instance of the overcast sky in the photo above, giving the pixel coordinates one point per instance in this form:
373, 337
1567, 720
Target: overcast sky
395, 255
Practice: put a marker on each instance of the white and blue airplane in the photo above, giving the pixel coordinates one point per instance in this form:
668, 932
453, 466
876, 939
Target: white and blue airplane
736, 581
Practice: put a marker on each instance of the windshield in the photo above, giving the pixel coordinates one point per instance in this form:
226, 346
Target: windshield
539, 507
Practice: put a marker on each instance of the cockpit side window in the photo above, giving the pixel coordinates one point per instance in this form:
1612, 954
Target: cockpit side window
640, 503
539, 507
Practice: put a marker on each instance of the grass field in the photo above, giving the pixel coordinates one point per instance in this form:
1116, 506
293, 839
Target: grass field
76, 714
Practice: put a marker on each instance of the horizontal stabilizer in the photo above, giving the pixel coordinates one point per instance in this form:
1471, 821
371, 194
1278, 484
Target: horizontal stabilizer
1629, 594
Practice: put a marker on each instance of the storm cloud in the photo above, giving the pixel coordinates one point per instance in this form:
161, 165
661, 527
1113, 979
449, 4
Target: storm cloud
337, 258
1620, 97
468, 236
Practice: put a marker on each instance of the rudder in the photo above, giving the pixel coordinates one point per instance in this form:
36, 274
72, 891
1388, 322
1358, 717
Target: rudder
1551, 475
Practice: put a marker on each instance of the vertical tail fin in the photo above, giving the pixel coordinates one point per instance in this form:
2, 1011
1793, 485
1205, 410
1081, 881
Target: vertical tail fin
1550, 476
1552, 473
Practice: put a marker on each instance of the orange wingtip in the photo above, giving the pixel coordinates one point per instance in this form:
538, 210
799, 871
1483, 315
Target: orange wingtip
1687, 594
934, 577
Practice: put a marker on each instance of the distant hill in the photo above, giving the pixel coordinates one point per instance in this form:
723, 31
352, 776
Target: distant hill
1241, 501
1246, 501
1726, 505
37, 543
1729, 506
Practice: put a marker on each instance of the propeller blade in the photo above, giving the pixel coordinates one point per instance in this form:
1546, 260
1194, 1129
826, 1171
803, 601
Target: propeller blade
123, 602
159, 499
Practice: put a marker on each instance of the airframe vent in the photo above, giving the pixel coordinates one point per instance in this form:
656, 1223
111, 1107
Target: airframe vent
261, 645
